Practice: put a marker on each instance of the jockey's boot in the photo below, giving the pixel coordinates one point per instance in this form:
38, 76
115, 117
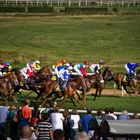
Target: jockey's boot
129, 78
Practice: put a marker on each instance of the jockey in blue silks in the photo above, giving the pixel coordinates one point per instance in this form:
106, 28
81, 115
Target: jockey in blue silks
130, 68
64, 75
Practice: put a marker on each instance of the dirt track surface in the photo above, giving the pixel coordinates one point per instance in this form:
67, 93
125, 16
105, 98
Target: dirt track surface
111, 92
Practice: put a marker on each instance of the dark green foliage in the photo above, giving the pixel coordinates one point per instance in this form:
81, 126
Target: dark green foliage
40, 9
86, 10
12, 9
115, 9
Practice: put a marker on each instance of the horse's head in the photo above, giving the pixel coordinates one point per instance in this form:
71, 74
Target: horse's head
14, 78
108, 74
20, 77
46, 71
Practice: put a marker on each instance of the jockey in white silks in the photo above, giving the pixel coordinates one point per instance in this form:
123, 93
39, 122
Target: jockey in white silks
81, 68
95, 68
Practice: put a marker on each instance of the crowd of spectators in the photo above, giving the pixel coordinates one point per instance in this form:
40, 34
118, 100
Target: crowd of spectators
50, 124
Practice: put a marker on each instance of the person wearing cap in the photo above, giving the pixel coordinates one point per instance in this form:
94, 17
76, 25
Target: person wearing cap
58, 67
36, 65
64, 75
6, 68
95, 68
81, 68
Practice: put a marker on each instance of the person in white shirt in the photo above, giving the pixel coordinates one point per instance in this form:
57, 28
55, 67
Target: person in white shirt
74, 121
57, 119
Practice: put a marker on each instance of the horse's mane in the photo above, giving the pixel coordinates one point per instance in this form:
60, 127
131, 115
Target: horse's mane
104, 72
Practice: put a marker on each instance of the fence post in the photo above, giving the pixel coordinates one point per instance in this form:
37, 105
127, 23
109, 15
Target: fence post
79, 3
122, 3
101, 3
58, 3
51, 3
86, 2
134, 3
16, 2
69, 3
128, 4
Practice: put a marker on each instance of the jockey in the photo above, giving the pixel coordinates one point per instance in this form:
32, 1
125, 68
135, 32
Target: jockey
130, 68
81, 68
64, 74
36, 65
1, 67
59, 66
6, 68
27, 72
95, 68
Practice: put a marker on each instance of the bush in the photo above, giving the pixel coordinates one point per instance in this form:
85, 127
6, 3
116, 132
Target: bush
86, 10
12, 9
40, 9
115, 9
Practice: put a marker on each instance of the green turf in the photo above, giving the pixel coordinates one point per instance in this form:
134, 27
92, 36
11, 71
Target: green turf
114, 39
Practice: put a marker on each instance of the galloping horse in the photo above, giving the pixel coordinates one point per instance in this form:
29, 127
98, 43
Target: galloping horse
121, 80
8, 84
41, 75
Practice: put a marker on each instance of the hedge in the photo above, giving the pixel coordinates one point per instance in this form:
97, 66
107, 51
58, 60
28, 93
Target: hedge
12, 9
86, 10
40, 9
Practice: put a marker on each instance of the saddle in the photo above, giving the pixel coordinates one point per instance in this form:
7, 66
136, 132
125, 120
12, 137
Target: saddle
127, 78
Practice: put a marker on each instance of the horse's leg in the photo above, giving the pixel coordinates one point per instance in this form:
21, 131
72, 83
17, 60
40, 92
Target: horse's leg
38, 97
95, 95
78, 95
71, 98
84, 98
64, 99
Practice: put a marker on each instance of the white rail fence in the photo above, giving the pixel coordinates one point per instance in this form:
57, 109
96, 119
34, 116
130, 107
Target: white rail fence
71, 2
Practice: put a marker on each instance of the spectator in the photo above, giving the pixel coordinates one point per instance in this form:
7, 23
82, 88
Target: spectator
84, 121
57, 119
35, 115
135, 116
112, 113
98, 114
47, 110
66, 124
26, 114
124, 115
81, 136
74, 121
107, 116
13, 122
27, 133
58, 134
45, 129
3, 116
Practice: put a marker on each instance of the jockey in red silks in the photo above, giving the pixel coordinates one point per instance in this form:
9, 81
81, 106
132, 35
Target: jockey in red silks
81, 68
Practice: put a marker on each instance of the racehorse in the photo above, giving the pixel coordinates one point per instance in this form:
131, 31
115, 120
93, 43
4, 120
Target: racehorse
121, 80
84, 85
138, 75
8, 84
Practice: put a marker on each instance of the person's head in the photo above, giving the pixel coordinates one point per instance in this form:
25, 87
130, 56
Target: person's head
135, 116
124, 112
107, 110
36, 107
12, 107
81, 136
89, 111
56, 109
111, 110
99, 112
26, 132
63, 61
45, 116
86, 63
27, 102
47, 104
58, 134
101, 62
55, 104
7, 63
74, 111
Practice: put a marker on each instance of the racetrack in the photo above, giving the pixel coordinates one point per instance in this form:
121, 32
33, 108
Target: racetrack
112, 92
